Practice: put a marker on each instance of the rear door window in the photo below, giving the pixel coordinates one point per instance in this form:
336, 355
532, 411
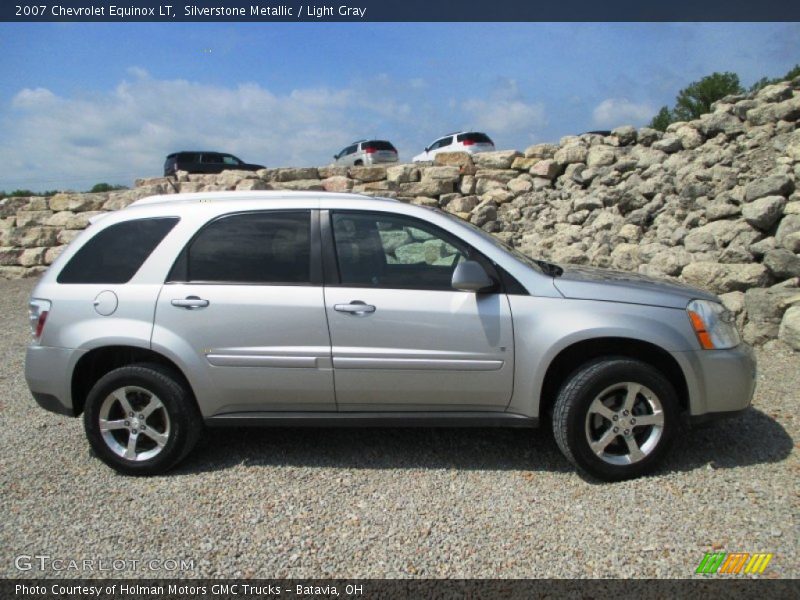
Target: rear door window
117, 252
268, 247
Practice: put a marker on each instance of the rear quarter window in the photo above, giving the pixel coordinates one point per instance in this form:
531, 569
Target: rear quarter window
116, 253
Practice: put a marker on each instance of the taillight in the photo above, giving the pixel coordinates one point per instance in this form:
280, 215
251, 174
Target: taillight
37, 316
370, 149
469, 142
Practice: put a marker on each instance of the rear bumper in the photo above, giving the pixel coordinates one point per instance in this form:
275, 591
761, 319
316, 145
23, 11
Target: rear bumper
721, 382
48, 374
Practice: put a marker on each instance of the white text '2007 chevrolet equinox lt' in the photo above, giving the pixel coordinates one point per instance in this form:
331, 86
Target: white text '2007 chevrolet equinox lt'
303, 308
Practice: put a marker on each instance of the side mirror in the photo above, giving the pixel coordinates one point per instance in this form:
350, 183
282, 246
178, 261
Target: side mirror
470, 276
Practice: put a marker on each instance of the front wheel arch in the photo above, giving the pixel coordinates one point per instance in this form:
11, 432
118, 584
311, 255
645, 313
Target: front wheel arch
575, 355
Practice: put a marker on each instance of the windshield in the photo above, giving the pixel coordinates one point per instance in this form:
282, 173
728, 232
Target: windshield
539, 265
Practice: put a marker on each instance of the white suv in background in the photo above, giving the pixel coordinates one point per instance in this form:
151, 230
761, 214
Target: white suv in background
464, 141
366, 152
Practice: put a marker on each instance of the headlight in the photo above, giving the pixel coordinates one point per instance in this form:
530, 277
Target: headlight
713, 324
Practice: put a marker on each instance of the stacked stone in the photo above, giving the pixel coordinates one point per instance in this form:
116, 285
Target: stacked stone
712, 202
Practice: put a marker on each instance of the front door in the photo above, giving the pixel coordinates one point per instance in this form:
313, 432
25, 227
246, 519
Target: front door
245, 310
402, 338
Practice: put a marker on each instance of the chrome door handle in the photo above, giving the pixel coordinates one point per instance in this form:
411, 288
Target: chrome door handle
356, 307
190, 302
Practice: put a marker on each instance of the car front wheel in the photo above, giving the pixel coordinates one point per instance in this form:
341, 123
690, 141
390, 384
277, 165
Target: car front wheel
141, 419
614, 418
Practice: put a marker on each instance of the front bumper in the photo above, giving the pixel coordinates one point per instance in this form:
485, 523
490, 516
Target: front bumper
721, 382
48, 372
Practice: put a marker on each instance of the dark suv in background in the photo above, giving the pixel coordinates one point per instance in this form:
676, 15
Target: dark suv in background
205, 162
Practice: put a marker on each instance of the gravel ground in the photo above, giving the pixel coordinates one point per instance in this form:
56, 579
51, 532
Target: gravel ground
397, 502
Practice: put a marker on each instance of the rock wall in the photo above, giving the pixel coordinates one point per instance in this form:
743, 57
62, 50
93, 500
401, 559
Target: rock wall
713, 202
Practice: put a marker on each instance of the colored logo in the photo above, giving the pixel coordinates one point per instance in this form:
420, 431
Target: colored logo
733, 563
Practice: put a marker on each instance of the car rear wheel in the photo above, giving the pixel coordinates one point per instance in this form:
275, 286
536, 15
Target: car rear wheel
614, 418
141, 419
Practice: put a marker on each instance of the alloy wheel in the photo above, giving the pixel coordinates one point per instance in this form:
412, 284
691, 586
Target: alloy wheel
134, 423
624, 423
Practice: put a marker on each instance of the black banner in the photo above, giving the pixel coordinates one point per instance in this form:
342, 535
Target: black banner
399, 11
370, 589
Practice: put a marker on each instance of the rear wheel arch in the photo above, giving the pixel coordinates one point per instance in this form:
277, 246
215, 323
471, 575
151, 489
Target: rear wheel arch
99, 361
571, 358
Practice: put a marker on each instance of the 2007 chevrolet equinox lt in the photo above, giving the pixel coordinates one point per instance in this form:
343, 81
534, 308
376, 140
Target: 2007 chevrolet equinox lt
303, 308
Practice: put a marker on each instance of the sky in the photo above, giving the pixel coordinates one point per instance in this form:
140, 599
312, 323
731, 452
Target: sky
83, 103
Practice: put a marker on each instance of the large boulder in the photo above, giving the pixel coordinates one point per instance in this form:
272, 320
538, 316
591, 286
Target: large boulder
721, 278
789, 330
765, 309
501, 159
782, 263
573, 153
406, 173
764, 212
772, 185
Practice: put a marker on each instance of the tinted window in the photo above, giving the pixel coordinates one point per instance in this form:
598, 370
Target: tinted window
117, 252
231, 160
379, 145
188, 157
350, 150
475, 138
393, 251
212, 158
267, 247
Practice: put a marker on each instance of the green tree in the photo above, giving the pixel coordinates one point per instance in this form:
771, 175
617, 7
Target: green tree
106, 187
696, 99
765, 81
662, 119
25, 193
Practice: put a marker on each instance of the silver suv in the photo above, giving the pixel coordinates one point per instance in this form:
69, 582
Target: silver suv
313, 309
366, 153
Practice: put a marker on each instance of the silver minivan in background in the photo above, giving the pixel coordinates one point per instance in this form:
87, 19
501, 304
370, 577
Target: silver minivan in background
365, 153
314, 309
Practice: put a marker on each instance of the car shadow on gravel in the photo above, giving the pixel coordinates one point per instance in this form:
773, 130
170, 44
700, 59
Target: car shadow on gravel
377, 448
748, 439
751, 438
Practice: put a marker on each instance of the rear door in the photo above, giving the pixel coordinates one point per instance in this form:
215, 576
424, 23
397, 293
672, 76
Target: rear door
402, 338
245, 305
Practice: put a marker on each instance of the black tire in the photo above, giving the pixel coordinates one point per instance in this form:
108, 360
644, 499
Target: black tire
610, 381
177, 416
358, 163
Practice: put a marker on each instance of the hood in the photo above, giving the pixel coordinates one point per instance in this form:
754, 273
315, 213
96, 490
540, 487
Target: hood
590, 283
